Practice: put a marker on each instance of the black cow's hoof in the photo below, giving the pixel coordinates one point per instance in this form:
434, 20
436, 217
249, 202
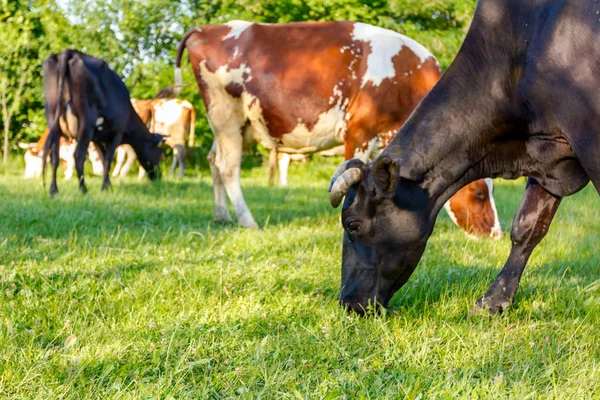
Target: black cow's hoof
83, 189
490, 305
53, 191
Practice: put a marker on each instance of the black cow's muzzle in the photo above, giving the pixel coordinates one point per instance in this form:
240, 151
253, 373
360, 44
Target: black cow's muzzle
360, 307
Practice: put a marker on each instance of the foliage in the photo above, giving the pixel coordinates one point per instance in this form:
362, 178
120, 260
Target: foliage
136, 293
138, 38
30, 31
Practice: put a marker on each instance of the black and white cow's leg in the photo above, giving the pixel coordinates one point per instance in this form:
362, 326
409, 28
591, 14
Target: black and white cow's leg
530, 225
109, 153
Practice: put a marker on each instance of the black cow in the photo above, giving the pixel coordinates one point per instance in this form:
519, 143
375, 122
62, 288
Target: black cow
86, 100
520, 99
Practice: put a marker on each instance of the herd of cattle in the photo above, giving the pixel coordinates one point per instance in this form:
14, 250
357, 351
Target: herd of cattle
354, 89
303, 88
173, 118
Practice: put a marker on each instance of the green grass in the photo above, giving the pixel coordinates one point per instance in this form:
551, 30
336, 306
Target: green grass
136, 293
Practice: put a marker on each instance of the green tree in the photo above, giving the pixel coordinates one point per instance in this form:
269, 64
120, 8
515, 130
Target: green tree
31, 30
18, 29
138, 38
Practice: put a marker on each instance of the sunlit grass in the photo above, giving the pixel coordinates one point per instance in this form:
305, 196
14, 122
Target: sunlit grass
137, 293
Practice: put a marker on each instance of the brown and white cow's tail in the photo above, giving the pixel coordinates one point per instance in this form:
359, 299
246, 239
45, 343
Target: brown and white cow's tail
53, 138
192, 127
180, 49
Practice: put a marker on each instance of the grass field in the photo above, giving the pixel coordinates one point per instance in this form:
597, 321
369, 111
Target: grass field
136, 293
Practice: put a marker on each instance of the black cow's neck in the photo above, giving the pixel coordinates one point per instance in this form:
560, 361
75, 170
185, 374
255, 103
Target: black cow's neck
137, 132
473, 124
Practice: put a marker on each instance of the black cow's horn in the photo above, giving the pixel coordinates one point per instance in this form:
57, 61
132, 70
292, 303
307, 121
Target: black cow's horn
343, 179
353, 163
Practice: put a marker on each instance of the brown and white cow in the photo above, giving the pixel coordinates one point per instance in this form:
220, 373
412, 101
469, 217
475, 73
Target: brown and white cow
305, 87
176, 119
35, 151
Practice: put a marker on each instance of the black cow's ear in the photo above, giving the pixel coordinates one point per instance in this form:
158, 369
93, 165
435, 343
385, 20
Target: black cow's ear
385, 173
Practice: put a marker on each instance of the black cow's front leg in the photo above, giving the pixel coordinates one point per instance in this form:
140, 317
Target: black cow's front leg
109, 153
80, 156
530, 225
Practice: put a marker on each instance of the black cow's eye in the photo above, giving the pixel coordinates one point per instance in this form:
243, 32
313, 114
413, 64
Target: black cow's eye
353, 227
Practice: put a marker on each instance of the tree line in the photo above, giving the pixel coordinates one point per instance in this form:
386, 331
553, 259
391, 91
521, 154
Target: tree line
138, 39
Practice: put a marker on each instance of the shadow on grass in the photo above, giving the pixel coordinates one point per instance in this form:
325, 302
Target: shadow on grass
157, 207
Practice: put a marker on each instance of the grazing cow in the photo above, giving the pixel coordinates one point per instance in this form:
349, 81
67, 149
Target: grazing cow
304, 87
520, 99
176, 119
125, 155
87, 101
173, 118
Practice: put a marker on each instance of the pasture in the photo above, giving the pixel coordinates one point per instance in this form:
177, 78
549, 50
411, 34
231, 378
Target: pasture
137, 293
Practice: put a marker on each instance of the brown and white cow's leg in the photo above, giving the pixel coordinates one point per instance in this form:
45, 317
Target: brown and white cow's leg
108, 157
125, 157
221, 211
175, 162
96, 159
530, 225
120, 156
67, 153
131, 157
227, 160
181, 156
283, 160
272, 165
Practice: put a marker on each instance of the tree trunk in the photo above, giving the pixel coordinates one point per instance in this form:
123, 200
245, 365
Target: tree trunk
5, 157
6, 122
7, 113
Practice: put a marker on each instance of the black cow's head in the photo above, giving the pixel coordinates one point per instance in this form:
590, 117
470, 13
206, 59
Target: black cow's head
150, 154
386, 224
